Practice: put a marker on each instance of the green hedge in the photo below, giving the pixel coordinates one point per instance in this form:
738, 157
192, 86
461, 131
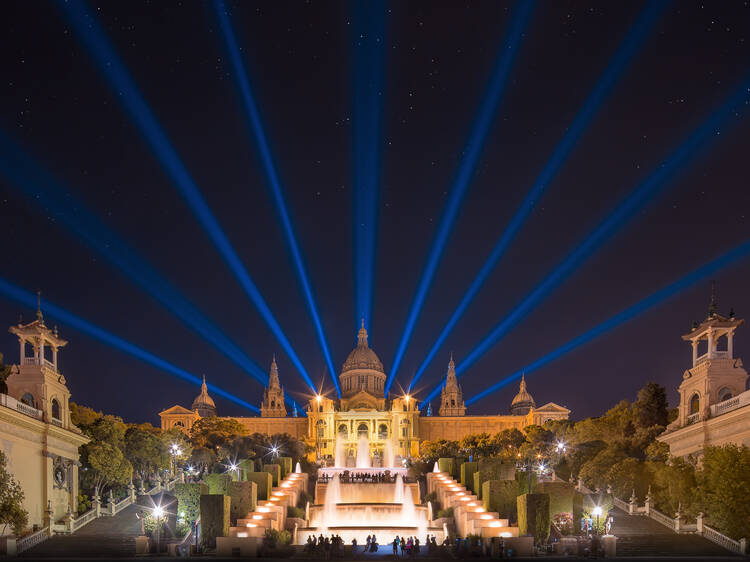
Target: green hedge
467, 474
500, 496
533, 516
244, 498
477, 483
286, 466
491, 469
445, 464
264, 481
243, 467
275, 471
217, 483
214, 518
563, 498
189, 500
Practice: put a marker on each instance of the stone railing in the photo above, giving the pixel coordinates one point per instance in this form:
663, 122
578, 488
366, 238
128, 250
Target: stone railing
13, 404
693, 418
82, 520
733, 403
32, 540
659, 517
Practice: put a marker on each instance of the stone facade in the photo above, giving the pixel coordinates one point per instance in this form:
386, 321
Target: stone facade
364, 409
36, 434
714, 401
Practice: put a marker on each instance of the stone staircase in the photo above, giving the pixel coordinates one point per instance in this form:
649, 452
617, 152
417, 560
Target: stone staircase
105, 537
641, 536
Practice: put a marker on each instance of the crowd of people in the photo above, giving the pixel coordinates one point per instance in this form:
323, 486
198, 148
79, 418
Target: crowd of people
346, 477
333, 546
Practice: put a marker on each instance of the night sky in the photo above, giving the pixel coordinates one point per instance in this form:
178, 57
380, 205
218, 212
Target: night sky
438, 58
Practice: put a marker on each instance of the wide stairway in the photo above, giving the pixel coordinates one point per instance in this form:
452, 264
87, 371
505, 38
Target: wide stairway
105, 537
638, 535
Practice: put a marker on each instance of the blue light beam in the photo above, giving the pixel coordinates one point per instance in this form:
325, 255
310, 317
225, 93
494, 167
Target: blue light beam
112, 68
253, 115
617, 65
35, 182
637, 199
654, 299
84, 326
480, 129
369, 44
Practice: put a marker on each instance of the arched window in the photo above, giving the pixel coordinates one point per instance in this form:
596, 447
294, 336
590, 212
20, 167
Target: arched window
273, 403
343, 430
178, 423
321, 428
362, 429
382, 431
453, 401
724, 394
55, 409
695, 404
28, 399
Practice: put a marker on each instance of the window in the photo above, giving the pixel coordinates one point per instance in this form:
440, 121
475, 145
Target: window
28, 399
321, 428
453, 401
343, 431
178, 423
724, 394
695, 404
382, 431
55, 409
273, 403
362, 429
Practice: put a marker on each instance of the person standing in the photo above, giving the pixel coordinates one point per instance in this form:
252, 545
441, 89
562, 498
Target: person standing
395, 546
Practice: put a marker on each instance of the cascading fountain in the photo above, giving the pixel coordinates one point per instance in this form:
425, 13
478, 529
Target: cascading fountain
298, 468
333, 497
363, 452
398, 493
436, 468
388, 458
339, 460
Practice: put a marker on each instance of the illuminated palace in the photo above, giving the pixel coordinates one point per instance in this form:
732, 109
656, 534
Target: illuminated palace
363, 409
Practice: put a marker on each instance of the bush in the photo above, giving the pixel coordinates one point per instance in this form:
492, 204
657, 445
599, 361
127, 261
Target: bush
264, 481
303, 498
286, 466
243, 499
217, 483
275, 471
533, 516
467, 474
298, 512
445, 513
214, 518
563, 498
564, 523
274, 538
189, 500
500, 496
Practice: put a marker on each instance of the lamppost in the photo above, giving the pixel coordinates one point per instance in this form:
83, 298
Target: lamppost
158, 513
175, 451
597, 511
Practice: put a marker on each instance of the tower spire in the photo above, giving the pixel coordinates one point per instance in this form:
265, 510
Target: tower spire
712, 306
39, 307
362, 335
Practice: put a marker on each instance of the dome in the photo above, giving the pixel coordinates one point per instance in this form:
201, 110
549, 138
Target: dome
203, 403
523, 401
362, 357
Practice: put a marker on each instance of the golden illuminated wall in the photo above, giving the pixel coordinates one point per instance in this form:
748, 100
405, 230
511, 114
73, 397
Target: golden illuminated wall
296, 427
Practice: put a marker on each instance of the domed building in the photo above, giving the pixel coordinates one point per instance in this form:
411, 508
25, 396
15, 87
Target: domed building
523, 403
203, 403
389, 422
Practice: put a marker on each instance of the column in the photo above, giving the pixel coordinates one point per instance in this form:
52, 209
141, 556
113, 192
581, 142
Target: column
54, 357
22, 344
710, 343
695, 352
41, 351
730, 341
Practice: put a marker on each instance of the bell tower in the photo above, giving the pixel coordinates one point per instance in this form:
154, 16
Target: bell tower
452, 396
716, 375
38, 383
273, 397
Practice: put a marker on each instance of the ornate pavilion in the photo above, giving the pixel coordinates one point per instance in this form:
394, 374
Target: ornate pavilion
365, 409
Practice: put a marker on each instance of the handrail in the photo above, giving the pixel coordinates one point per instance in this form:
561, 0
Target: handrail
625, 506
84, 519
32, 540
722, 540
661, 518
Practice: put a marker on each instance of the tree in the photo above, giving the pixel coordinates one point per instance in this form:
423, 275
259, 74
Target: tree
595, 472
146, 452
651, 406
431, 451
108, 466
12, 512
214, 432
674, 486
83, 416
175, 436
479, 445
723, 482
202, 459
4, 374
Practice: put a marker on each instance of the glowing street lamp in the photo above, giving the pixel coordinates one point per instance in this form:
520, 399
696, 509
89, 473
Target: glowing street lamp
158, 513
176, 451
597, 511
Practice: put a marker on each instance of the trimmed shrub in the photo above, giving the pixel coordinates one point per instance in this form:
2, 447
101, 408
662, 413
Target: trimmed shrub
297, 512
500, 496
467, 474
264, 481
217, 483
214, 518
457, 462
245, 466
477, 481
189, 500
275, 471
286, 466
445, 513
492, 469
563, 498
533, 516
243, 496
445, 464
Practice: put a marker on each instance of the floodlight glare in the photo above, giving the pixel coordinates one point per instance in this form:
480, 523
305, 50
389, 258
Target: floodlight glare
618, 63
112, 68
24, 297
253, 115
648, 189
504, 63
654, 299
